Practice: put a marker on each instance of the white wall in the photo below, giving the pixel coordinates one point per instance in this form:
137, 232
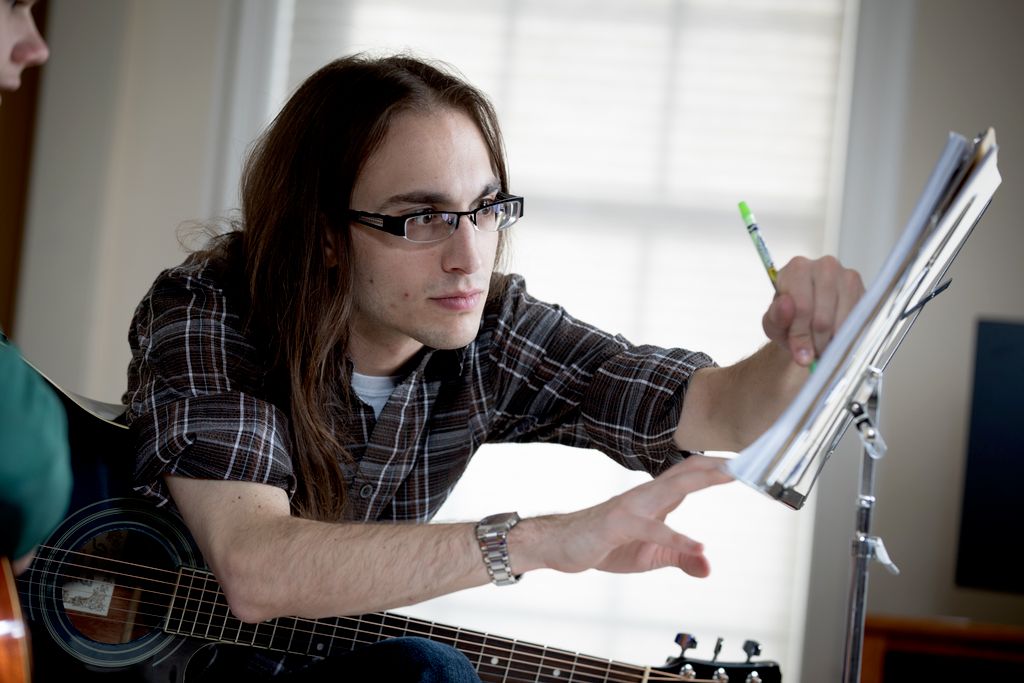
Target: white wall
962, 71
130, 114
965, 75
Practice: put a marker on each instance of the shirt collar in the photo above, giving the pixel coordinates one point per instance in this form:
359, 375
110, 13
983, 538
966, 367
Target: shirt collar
434, 364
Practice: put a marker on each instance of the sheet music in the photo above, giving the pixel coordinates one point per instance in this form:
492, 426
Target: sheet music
956, 194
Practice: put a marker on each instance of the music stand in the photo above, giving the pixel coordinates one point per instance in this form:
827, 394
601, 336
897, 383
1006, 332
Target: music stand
845, 387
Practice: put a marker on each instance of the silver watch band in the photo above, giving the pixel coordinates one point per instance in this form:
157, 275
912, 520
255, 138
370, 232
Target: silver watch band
492, 536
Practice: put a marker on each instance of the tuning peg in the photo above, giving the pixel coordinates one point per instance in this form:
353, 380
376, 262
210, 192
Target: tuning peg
718, 648
720, 676
685, 641
753, 677
752, 648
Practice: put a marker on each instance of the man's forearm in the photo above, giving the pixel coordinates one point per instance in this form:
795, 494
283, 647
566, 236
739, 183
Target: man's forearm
727, 408
297, 567
273, 564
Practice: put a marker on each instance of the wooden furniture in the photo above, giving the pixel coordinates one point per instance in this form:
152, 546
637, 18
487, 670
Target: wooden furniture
900, 649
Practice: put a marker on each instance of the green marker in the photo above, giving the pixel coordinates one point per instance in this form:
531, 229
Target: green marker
762, 251
755, 236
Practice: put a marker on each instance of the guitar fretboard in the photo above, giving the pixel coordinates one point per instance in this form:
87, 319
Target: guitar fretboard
199, 609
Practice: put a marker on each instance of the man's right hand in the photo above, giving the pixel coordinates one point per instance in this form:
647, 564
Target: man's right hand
624, 534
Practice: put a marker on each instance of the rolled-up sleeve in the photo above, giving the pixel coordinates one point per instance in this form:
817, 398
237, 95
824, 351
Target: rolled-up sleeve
196, 403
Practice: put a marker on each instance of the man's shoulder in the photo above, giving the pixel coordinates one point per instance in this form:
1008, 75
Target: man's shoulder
214, 272
514, 313
508, 290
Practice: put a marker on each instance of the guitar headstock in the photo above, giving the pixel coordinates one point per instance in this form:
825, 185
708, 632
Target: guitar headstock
749, 671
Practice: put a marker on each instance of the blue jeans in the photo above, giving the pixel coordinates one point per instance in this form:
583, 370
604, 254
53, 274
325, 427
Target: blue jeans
396, 660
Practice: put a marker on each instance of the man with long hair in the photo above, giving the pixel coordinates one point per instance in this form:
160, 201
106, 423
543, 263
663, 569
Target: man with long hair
308, 389
35, 470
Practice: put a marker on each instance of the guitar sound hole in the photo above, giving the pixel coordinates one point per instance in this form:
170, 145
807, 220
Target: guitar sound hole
116, 587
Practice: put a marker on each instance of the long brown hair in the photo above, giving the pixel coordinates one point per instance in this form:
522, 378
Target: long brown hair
296, 188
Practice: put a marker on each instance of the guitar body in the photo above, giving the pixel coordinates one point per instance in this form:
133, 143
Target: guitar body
15, 662
120, 592
95, 596
98, 592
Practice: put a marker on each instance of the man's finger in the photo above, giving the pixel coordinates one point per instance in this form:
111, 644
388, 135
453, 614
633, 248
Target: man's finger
850, 291
668, 492
795, 280
826, 300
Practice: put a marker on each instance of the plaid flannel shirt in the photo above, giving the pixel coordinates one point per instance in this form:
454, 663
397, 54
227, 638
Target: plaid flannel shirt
199, 407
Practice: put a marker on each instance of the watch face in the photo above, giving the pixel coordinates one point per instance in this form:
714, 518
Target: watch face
506, 519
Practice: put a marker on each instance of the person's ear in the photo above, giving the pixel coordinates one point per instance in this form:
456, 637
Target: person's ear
330, 255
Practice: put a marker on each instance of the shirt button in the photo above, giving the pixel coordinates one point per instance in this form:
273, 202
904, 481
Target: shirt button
366, 491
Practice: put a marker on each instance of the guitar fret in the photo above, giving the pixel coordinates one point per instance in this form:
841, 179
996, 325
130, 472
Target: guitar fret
306, 636
508, 661
529, 659
470, 644
315, 643
205, 598
220, 615
333, 637
393, 626
197, 595
371, 628
168, 622
284, 632
273, 633
232, 625
593, 670
193, 597
558, 665
189, 605
199, 609
246, 633
261, 637
445, 634
492, 661
627, 672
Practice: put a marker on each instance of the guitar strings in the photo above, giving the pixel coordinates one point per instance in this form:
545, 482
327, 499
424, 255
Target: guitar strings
544, 658
205, 578
513, 672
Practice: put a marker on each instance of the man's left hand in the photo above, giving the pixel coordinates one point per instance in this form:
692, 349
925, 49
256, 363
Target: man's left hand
813, 298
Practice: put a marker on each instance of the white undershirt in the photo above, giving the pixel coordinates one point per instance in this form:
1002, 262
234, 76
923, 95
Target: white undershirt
373, 391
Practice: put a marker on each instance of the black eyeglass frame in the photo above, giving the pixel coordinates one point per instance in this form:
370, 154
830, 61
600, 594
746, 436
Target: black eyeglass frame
395, 225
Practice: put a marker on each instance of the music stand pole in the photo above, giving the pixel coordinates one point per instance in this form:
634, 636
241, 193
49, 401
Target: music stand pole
865, 546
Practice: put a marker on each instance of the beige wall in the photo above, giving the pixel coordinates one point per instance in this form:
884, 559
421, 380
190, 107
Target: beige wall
963, 74
966, 74
128, 113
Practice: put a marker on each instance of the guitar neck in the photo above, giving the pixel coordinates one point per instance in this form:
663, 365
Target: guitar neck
199, 609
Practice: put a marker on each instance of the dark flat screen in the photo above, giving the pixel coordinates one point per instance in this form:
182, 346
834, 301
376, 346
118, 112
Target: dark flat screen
993, 500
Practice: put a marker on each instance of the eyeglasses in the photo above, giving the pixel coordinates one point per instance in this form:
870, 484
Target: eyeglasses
434, 226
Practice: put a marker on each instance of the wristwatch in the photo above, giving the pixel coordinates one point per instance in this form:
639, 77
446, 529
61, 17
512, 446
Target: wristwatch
492, 535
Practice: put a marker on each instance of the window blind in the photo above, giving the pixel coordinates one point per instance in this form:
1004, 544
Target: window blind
633, 128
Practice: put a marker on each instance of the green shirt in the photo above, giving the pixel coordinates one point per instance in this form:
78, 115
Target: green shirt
35, 467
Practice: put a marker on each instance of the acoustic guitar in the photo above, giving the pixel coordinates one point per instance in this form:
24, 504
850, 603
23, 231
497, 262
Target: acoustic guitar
120, 592
15, 662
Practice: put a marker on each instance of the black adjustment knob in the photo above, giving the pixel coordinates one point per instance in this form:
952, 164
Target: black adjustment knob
752, 648
718, 648
685, 641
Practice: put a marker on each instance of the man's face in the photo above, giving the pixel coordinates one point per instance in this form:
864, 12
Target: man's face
20, 43
408, 295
